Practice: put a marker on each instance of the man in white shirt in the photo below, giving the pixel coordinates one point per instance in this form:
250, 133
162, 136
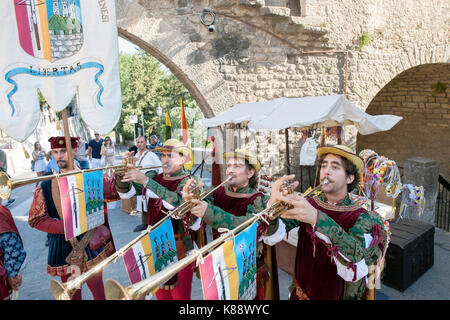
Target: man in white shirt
144, 158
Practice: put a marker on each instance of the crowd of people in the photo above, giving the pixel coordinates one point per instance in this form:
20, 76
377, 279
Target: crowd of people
96, 153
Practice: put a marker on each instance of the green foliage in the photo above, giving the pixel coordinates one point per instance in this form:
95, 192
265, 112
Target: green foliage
364, 40
57, 23
66, 24
439, 88
145, 86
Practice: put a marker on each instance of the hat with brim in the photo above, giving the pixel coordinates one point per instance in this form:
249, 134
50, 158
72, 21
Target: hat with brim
342, 151
174, 145
244, 154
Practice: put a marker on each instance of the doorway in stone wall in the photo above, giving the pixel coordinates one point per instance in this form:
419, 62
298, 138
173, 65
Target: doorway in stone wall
421, 95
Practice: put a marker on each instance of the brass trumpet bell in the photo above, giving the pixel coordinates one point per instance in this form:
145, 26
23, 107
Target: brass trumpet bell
5, 186
59, 290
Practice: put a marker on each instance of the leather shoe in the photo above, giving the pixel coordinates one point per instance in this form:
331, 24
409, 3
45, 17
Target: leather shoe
140, 227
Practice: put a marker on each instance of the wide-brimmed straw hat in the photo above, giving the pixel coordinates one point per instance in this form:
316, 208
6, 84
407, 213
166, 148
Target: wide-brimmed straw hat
174, 145
244, 154
342, 151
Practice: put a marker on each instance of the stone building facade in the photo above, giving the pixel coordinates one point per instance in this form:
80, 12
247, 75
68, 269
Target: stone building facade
268, 49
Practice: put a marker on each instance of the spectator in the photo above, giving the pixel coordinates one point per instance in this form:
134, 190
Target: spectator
94, 148
109, 152
80, 156
155, 143
4, 168
39, 164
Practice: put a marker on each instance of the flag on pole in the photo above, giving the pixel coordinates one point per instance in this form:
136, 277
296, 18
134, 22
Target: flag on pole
82, 202
151, 254
63, 48
229, 272
185, 136
168, 125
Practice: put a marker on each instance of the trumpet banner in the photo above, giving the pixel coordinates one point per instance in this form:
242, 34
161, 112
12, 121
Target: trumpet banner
81, 202
61, 47
229, 272
151, 254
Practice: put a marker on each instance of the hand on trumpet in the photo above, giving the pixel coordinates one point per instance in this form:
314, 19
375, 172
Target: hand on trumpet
200, 206
302, 210
131, 173
278, 190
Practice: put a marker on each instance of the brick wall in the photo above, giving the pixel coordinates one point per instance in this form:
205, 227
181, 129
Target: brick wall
424, 130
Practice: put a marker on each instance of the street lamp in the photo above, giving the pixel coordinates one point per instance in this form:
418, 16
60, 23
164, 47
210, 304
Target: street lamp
159, 113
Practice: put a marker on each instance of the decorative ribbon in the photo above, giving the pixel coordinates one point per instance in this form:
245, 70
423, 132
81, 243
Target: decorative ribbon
56, 73
353, 267
223, 230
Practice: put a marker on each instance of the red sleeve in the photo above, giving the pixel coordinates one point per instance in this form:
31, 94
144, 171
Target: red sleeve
38, 217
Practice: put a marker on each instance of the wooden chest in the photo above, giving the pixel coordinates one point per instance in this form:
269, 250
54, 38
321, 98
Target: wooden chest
129, 205
410, 253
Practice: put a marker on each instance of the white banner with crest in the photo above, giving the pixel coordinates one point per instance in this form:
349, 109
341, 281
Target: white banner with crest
61, 47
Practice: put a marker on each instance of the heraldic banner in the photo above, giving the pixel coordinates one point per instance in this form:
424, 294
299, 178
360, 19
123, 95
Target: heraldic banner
151, 254
229, 272
62, 48
82, 202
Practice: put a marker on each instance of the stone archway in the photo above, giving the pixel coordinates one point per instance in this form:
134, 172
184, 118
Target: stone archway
421, 95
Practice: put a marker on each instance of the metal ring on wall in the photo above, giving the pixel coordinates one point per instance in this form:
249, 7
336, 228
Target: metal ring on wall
204, 14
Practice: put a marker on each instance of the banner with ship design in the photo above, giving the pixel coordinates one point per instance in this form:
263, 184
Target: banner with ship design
61, 48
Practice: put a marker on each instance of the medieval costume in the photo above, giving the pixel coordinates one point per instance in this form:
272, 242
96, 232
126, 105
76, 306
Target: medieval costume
228, 209
333, 258
76, 255
340, 241
12, 253
164, 193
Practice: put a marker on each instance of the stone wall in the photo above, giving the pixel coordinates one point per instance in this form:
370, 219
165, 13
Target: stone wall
424, 130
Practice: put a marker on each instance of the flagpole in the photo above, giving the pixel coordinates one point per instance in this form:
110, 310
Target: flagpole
67, 139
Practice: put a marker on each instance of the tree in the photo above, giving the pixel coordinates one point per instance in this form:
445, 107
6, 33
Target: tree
145, 85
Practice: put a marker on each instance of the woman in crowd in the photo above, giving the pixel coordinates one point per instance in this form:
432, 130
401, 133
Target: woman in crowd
39, 160
109, 152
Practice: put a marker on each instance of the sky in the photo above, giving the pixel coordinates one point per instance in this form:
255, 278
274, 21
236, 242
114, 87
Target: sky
126, 46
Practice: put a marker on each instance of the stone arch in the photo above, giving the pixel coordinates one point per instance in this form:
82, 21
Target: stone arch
408, 58
421, 95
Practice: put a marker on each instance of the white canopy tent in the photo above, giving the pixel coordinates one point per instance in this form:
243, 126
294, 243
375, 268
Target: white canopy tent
305, 113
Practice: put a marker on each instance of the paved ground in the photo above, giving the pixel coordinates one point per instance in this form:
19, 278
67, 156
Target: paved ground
434, 284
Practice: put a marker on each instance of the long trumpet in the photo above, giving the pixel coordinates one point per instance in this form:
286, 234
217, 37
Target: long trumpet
180, 211
275, 210
7, 184
115, 291
64, 291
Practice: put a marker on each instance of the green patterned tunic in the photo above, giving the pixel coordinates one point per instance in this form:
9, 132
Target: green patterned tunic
352, 244
173, 197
